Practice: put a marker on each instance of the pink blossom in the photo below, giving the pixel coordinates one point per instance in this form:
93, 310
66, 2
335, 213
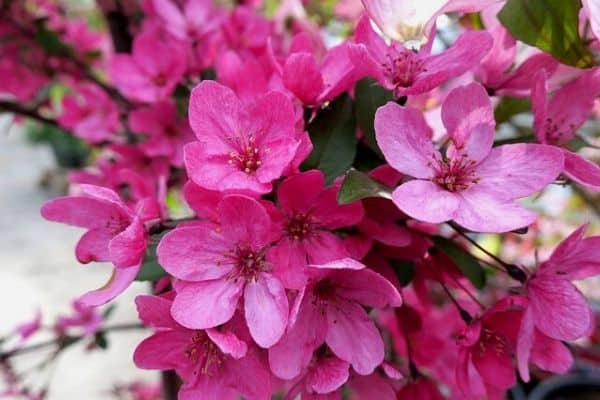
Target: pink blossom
214, 363
84, 318
420, 388
144, 76
321, 380
556, 121
239, 147
115, 233
29, 328
310, 212
555, 307
166, 132
191, 22
90, 113
218, 265
474, 184
592, 9
407, 72
328, 310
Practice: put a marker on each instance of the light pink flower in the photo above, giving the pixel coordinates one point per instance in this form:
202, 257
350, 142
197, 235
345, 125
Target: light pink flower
192, 21
310, 212
555, 307
592, 8
144, 75
89, 113
213, 363
218, 265
29, 328
329, 310
115, 233
239, 147
407, 72
556, 121
83, 318
474, 184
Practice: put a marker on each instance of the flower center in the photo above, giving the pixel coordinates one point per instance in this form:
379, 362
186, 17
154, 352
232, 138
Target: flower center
202, 351
299, 226
489, 339
160, 79
324, 290
248, 263
402, 67
456, 175
247, 158
554, 133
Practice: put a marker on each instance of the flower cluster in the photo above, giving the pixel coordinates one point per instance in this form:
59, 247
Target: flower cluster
306, 211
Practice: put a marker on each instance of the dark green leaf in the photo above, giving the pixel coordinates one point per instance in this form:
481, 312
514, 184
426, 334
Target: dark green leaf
358, 185
333, 135
509, 107
369, 97
405, 271
150, 270
50, 41
463, 260
101, 340
550, 25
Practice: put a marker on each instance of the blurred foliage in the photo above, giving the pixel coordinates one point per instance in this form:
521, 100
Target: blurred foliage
69, 151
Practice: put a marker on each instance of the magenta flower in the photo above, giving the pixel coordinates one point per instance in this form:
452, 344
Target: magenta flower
321, 380
217, 265
407, 72
191, 22
474, 184
84, 318
592, 9
556, 308
115, 233
556, 121
239, 147
143, 76
328, 310
90, 113
214, 363
310, 212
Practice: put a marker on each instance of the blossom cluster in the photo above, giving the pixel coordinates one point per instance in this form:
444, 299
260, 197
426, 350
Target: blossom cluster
277, 277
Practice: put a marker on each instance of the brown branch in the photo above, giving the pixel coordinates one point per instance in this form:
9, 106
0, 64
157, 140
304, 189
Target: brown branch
15, 108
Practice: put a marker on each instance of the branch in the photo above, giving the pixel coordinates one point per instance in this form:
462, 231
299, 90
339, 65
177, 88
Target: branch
15, 108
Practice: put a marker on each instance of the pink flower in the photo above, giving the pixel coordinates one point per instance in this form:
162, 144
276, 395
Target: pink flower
310, 212
90, 113
28, 328
86, 318
407, 72
115, 233
475, 185
167, 133
420, 388
239, 147
592, 9
196, 18
213, 363
218, 264
556, 122
555, 307
144, 76
321, 380
328, 310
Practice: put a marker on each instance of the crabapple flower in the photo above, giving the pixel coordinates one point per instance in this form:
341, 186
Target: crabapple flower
143, 76
310, 212
218, 264
555, 307
407, 72
474, 184
556, 121
115, 233
213, 363
410, 21
329, 310
196, 19
322, 379
592, 9
239, 147
84, 318
90, 113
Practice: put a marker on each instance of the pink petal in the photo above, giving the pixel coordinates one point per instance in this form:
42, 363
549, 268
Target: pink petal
332, 215
366, 287
249, 376
405, 140
163, 350
374, 386
244, 220
83, 212
495, 367
343, 263
575, 257
228, 343
593, 10
519, 83
539, 105
120, 280
288, 258
513, 171
93, 246
214, 111
328, 375
323, 246
338, 71
201, 305
128, 247
302, 76
441, 205
204, 202
551, 355
194, 252
525, 343
353, 337
582, 171
266, 309
559, 309
173, 19
155, 311
300, 191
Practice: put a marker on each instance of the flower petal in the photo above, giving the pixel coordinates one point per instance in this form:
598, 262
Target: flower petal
426, 201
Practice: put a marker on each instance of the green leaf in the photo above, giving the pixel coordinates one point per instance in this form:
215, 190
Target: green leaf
405, 271
150, 270
50, 41
550, 25
463, 260
101, 340
358, 185
509, 107
333, 135
369, 97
